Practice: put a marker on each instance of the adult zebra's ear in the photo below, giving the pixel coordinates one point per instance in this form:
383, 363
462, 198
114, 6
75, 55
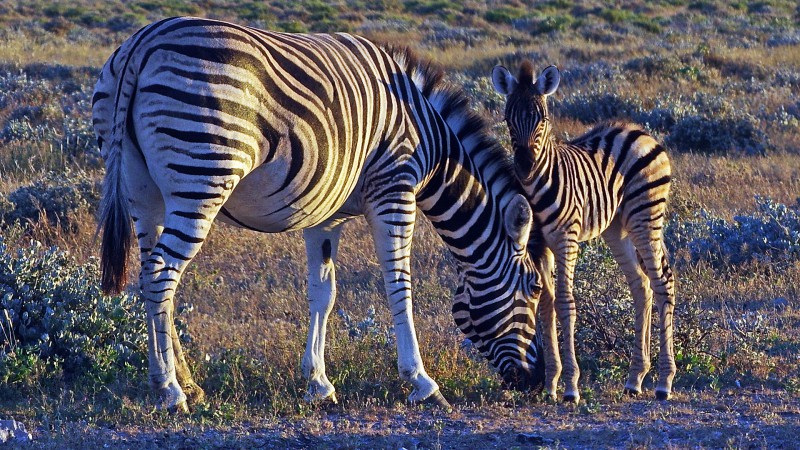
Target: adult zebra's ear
547, 83
503, 81
518, 220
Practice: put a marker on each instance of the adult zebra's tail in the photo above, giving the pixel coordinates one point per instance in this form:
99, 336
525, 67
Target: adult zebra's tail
115, 221
110, 128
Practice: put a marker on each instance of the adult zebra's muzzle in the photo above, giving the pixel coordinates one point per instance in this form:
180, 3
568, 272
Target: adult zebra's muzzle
525, 379
531, 376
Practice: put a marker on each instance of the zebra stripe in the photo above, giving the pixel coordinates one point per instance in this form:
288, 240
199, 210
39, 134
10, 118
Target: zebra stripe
612, 182
200, 120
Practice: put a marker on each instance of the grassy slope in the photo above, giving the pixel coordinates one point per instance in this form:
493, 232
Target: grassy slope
249, 319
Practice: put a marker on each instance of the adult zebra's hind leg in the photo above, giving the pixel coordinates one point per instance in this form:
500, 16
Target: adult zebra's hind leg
626, 256
322, 243
186, 225
147, 208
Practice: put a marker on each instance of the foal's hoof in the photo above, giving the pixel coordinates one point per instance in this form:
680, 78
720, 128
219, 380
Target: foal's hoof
663, 395
631, 392
180, 408
571, 398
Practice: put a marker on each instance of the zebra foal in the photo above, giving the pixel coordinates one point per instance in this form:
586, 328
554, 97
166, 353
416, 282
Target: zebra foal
612, 182
200, 120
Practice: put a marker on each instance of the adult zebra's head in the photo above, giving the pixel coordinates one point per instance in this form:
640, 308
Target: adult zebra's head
496, 310
526, 112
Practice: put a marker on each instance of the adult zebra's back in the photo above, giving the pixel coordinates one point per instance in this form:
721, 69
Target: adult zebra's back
198, 119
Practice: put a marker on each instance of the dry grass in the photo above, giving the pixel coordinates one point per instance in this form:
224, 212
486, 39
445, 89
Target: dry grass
23, 48
727, 185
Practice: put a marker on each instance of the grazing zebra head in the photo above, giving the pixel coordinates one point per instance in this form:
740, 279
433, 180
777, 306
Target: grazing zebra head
500, 319
498, 291
526, 111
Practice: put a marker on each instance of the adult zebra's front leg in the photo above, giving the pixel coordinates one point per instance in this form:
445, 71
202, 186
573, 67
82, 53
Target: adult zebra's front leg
322, 243
392, 222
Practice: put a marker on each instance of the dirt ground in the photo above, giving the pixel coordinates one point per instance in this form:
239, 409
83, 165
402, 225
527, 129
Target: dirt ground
729, 419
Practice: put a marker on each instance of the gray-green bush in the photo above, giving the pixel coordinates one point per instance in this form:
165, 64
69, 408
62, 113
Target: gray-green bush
52, 313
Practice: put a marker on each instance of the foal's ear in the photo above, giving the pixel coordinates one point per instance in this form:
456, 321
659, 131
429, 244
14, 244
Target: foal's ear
547, 83
503, 81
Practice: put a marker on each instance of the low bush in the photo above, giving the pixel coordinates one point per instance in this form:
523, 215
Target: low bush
770, 235
55, 198
605, 328
53, 315
704, 134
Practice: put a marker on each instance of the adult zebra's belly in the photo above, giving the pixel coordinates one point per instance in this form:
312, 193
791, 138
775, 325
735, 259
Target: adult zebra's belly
269, 199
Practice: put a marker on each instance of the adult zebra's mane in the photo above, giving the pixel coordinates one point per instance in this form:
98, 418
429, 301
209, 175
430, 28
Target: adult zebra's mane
453, 104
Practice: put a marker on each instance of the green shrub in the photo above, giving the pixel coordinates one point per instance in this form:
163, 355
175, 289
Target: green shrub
504, 14
56, 198
553, 23
292, 26
53, 314
709, 134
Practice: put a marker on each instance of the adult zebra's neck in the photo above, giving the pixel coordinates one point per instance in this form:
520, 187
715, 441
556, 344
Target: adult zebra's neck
472, 181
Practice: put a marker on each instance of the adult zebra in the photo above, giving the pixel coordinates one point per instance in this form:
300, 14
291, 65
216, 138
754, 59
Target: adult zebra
612, 181
198, 119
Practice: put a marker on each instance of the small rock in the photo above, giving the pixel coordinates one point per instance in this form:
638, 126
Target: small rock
11, 429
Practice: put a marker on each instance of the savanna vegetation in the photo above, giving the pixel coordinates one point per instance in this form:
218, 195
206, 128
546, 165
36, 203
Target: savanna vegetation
716, 81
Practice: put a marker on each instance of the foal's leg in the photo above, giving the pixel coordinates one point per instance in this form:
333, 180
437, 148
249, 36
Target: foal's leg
547, 320
648, 239
566, 253
625, 255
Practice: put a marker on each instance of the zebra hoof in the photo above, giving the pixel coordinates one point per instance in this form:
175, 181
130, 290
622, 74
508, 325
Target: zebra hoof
631, 392
320, 392
194, 393
571, 398
663, 395
438, 399
331, 399
180, 408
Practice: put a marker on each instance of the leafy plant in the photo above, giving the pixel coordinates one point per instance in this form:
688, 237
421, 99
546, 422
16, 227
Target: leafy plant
55, 198
51, 309
770, 235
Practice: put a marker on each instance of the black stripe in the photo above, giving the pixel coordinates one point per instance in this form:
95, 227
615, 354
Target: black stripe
643, 162
646, 206
646, 187
205, 171
182, 236
170, 252
190, 195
